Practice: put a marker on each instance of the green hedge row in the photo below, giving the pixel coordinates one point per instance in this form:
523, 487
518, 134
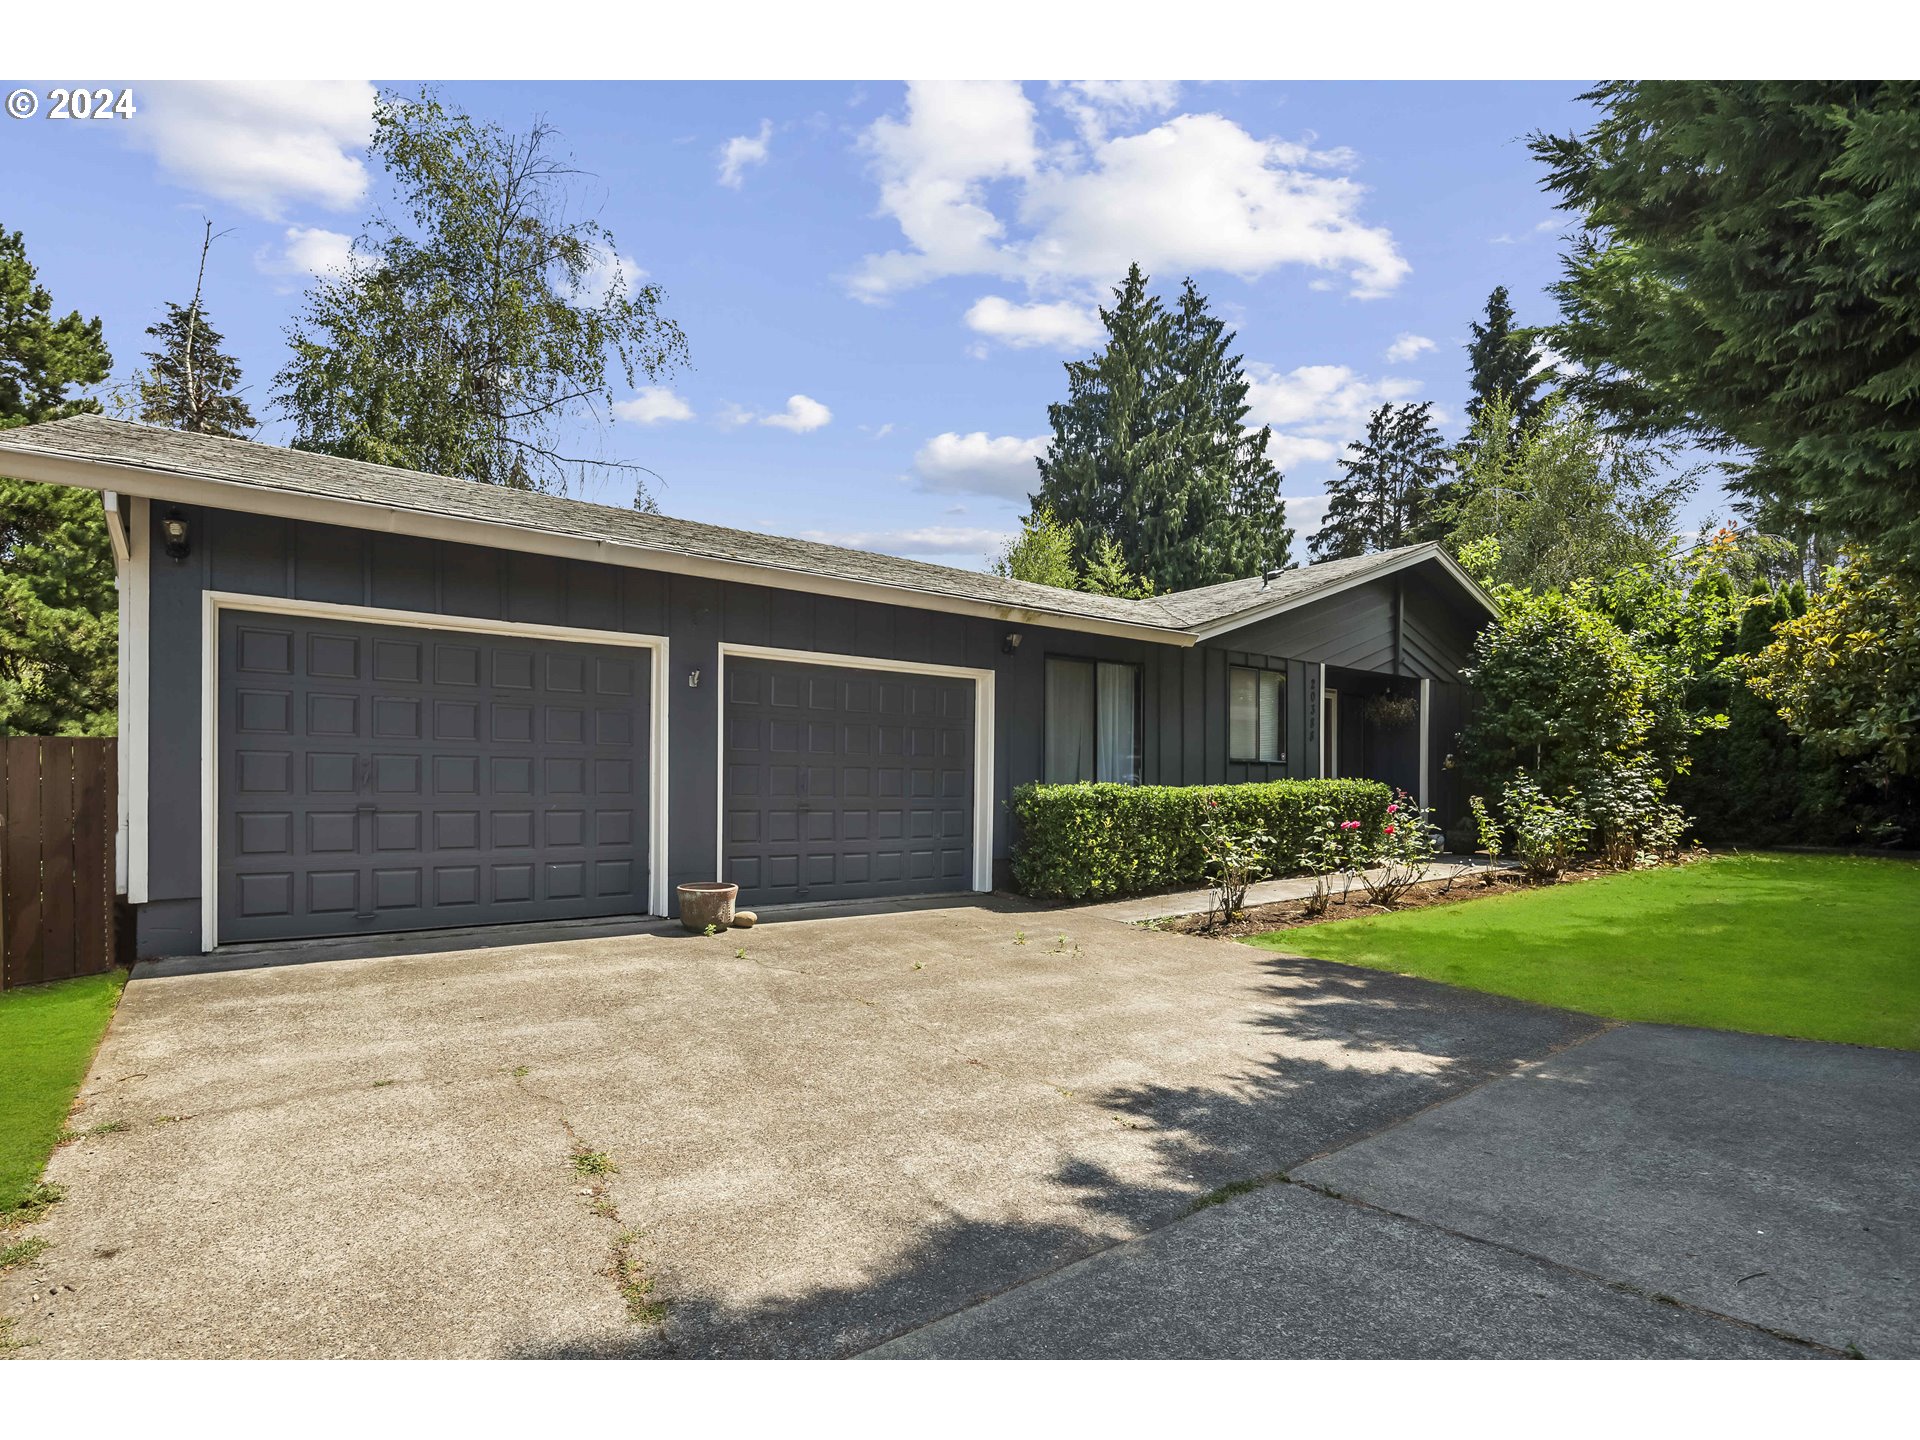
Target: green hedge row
1081, 840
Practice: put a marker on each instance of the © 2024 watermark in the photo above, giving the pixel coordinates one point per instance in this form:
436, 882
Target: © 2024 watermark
72, 102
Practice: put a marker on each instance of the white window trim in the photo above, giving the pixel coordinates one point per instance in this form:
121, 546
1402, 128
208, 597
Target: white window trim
983, 715
214, 602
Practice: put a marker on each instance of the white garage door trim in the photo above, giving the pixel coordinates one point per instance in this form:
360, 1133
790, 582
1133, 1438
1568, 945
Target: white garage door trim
982, 739
216, 601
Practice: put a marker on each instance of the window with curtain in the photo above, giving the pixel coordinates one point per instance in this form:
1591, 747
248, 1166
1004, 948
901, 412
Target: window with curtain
1093, 721
1256, 703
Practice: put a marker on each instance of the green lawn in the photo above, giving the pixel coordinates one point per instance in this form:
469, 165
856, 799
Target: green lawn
1825, 947
48, 1034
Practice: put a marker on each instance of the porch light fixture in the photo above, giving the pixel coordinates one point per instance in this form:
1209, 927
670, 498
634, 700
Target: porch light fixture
173, 536
1011, 643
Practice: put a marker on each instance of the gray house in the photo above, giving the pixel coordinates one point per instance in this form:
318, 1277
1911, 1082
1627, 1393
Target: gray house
357, 699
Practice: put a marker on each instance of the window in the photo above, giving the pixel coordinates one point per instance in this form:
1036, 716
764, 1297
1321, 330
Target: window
1256, 700
1093, 721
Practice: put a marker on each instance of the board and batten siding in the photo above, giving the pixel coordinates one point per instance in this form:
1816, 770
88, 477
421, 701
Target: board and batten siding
1183, 689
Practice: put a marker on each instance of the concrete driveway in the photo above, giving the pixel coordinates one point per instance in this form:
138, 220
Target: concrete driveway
823, 1135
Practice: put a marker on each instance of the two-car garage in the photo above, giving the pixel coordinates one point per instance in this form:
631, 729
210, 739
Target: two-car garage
376, 776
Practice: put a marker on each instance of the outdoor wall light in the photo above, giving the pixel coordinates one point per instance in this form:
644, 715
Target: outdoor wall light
1011, 643
693, 679
173, 536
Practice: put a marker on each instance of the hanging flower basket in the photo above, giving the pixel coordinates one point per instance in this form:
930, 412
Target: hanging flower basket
1390, 711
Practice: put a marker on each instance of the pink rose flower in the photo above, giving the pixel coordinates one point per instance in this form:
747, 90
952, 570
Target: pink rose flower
1392, 808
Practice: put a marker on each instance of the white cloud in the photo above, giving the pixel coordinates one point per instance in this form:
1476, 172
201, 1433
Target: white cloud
740, 152
651, 404
1306, 514
980, 464
1315, 410
923, 540
305, 251
1289, 451
608, 273
1406, 347
1324, 400
977, 189
801, 415
1060, 324
1094, 105
263, 146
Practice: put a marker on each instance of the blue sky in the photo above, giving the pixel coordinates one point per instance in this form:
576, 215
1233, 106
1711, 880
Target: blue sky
878, 284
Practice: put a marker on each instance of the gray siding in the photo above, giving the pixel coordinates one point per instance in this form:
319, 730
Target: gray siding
1184, 690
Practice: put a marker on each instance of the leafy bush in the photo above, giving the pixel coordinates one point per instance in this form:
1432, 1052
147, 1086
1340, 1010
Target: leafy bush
1076, 841
1237, 855
1632, 819
1401, 851
1334, 845
1547, 834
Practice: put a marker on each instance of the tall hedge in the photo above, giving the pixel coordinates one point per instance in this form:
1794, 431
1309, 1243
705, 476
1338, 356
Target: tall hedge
1077, 841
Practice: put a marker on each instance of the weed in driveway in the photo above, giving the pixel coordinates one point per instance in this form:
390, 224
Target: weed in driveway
1019, 937
106, 1127
382, 1084
520, 1072
1228, 1192
593, 1162
31, 1206
7, 1343
636, 1286
31, 1248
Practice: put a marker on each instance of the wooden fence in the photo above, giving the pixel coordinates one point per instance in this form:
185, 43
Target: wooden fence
58, 807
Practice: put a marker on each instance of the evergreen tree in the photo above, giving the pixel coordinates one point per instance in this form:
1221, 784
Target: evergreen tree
1150, 450
1041, 554
190, 383
1502, 360
1747, 279
1107, 573
1387, 484
58, 616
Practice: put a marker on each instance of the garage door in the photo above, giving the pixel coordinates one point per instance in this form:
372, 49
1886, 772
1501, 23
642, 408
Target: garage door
376, 778
843, 784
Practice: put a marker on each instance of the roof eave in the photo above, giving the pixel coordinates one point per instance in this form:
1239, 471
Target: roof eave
1254, 616
180, 487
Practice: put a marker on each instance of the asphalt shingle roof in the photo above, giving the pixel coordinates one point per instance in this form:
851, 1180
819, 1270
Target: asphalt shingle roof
276, 468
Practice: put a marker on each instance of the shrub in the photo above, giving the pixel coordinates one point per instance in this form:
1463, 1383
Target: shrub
1236, 856
1547, 834
1632, 820
1402, 850
1334, 845
1076, 841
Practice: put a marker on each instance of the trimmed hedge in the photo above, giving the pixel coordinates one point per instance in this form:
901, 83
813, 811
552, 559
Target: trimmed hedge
1103, 840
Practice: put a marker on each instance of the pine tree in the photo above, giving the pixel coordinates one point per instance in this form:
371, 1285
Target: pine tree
1385, 494
1107, 573
58, 617
1149, 449
1504, 361
1041, 554
190, 383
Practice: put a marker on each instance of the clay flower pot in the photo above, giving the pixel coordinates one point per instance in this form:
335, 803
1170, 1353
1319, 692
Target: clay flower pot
707, 902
